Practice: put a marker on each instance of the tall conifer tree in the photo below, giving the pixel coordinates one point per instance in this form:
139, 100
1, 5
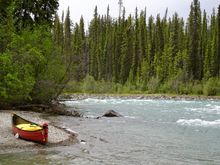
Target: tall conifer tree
194, 29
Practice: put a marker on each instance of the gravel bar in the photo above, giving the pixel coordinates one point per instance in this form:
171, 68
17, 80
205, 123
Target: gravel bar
8, 143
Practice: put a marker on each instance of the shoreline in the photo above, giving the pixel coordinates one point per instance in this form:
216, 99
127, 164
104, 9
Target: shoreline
58, 136
81, 96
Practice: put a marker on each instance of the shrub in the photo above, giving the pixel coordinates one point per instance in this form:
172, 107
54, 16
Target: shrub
104, 87
166, 88
218, 88
73, 87
89, 84
197, 88
185, 89
118, 88
210, 87
153, 85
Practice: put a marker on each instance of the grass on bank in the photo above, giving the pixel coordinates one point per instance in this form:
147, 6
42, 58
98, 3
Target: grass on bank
89, 85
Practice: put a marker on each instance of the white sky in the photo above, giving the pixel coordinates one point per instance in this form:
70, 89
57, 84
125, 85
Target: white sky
86, 8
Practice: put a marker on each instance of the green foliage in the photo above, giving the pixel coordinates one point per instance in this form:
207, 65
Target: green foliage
16, 80
153, 85
197, 88
74, 87
210, 87
104, 87
159, 56
89, 85
50, 73
218, 88
29, 14
32, 67
123, 55
194, 47
118, 88
20, 66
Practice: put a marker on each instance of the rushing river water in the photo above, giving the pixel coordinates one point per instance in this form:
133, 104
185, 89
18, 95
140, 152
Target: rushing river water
151, 132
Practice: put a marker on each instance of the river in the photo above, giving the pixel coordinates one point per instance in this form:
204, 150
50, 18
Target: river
165, 132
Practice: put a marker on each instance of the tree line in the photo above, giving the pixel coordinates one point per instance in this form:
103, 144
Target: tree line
150, 54
43, 54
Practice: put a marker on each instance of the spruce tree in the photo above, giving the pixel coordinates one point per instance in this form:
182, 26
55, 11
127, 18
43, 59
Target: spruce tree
159, 39
218, 43
83, 49
136, 56
204, 40
34, 13
57, 30
126, 51
173, 43
152, 47
194, 30
67, 37
213, 45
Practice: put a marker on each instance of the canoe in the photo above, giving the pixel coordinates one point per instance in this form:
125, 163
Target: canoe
28, 130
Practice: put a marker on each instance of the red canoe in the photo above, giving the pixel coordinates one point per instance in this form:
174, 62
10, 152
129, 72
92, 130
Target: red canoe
28, 130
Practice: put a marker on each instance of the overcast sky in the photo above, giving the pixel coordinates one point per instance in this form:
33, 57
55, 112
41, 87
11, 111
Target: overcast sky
86, 8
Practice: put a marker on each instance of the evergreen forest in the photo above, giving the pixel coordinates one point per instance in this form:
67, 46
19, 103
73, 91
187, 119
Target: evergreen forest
43, 55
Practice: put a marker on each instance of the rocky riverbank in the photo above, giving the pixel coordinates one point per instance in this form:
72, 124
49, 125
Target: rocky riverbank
8, 143
66, 97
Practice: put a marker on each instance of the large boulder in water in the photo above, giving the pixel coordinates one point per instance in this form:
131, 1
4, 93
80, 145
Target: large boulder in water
111, 113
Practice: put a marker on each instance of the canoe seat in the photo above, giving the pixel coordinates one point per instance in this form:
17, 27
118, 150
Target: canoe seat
29, 127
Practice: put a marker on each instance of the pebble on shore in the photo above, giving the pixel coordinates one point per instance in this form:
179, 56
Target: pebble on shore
8, 143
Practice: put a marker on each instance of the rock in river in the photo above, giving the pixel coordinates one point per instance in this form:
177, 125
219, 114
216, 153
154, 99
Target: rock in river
111, 113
